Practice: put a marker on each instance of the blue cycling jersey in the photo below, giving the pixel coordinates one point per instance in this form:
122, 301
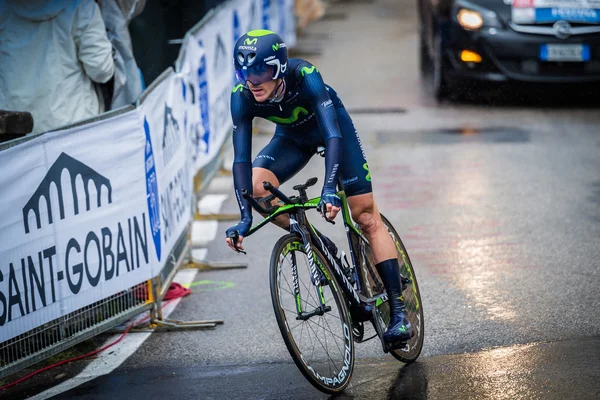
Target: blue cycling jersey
308, 115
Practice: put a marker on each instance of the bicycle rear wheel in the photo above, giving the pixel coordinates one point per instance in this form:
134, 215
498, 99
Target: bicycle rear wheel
322, 345
411, 294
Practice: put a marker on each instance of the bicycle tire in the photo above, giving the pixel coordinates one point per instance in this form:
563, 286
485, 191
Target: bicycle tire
411, 294
327, 384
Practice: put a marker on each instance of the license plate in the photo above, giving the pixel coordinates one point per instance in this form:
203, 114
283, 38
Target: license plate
565, 52
548, 11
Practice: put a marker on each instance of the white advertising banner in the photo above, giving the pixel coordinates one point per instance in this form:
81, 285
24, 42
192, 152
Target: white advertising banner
215, 74
75, 221
208, 74
167, 174
93, 210
247, 16
275, 15
196, 118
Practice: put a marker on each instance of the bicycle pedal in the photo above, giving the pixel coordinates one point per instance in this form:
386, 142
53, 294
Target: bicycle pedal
394, 346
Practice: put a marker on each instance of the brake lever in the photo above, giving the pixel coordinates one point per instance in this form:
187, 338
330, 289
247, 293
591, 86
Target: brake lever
332, 222
323, 212
234, 236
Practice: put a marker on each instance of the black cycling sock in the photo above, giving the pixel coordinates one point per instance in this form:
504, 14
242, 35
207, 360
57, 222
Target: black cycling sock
389, 271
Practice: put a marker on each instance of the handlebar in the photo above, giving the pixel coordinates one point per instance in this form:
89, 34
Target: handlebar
255, 204
277, 193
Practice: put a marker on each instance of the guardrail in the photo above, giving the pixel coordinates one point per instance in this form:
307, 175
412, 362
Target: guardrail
96, 216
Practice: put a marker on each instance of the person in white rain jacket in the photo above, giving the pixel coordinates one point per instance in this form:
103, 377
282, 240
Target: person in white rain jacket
51, 53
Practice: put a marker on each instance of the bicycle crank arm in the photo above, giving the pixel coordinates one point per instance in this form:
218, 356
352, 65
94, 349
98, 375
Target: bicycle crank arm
317, 311
383, 297
378, 328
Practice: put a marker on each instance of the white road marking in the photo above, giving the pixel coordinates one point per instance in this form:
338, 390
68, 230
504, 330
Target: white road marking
211, 203
220, 184
203, 232
199, 254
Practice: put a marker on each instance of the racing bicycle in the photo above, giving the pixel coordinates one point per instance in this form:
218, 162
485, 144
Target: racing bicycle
323, 300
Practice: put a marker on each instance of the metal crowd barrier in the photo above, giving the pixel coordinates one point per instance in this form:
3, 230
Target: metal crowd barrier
60, 334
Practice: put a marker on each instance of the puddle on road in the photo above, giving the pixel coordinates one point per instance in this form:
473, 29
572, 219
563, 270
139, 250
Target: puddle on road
456, 135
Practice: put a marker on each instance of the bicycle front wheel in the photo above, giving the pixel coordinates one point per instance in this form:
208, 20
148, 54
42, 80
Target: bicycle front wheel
320, 345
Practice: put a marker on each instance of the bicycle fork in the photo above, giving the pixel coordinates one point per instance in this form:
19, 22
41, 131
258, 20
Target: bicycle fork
315, 276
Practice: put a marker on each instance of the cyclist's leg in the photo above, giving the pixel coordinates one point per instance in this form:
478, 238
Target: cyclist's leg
356, 179
276, 163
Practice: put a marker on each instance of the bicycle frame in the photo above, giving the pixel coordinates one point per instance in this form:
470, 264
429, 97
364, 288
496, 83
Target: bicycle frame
299, 224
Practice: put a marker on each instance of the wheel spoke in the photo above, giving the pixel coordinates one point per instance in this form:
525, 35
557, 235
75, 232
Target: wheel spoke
323, 326
321, 343
343, 339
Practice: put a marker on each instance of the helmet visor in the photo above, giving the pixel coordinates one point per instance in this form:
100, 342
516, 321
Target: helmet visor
256, 75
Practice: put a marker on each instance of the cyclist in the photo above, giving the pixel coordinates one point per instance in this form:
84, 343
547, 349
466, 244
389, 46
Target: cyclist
308, 114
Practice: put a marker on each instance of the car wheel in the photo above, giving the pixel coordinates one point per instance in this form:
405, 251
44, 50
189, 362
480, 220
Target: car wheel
439, 80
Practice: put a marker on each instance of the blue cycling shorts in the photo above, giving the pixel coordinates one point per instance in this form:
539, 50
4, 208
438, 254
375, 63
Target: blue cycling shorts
290, 150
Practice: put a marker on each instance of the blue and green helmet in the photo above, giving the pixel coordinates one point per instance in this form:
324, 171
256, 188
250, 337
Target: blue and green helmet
259, 56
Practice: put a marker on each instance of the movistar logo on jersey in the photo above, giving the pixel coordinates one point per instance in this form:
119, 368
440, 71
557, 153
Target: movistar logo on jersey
292, 118
366, 168
278, 46
250, 42
308, 71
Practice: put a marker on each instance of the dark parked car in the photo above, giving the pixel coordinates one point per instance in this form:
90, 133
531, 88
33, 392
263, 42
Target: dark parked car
542, 41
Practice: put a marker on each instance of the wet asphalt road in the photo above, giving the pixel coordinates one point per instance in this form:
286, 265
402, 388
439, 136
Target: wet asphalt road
533, 371
499, 208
